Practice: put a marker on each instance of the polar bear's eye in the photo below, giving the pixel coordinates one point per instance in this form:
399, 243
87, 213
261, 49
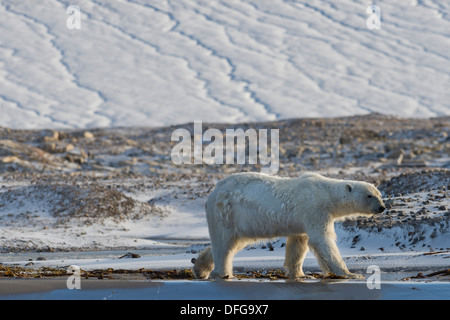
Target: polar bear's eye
369, 196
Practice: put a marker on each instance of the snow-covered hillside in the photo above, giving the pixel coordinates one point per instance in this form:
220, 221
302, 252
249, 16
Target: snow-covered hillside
160, 62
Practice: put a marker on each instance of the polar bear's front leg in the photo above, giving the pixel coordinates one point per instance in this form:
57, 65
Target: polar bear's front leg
329, 258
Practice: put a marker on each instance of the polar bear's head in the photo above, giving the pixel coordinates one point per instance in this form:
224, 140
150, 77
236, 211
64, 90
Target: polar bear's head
364, 197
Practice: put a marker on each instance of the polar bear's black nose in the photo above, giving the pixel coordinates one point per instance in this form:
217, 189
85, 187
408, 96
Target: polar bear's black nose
381, 209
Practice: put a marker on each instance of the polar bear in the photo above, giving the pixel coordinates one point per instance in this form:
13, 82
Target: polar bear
247, 207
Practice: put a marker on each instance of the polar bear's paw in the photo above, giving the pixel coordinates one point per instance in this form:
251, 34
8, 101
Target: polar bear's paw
347, 275
220, 276
354, 276
305, 277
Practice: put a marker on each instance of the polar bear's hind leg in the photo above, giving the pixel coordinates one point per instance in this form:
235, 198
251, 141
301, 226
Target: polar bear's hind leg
296, 249
223, 254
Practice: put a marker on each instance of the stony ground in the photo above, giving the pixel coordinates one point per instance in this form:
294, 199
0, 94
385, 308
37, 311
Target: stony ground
91, 176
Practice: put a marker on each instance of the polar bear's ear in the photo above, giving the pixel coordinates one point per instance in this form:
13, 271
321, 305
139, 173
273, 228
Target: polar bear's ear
348, 187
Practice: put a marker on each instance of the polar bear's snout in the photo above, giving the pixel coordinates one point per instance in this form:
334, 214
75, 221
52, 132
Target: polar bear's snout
381, 207
374, 202
378, 205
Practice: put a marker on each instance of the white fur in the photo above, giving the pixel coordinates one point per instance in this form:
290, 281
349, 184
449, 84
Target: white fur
246, 207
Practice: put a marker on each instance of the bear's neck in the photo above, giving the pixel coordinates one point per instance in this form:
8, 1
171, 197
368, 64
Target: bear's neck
342, 205
343, 209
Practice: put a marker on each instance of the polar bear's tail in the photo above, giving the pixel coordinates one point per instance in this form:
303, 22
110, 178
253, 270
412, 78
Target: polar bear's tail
203, 265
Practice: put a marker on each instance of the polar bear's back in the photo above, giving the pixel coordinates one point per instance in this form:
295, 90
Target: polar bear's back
246, 178
256, 202
255, 184
244, 187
